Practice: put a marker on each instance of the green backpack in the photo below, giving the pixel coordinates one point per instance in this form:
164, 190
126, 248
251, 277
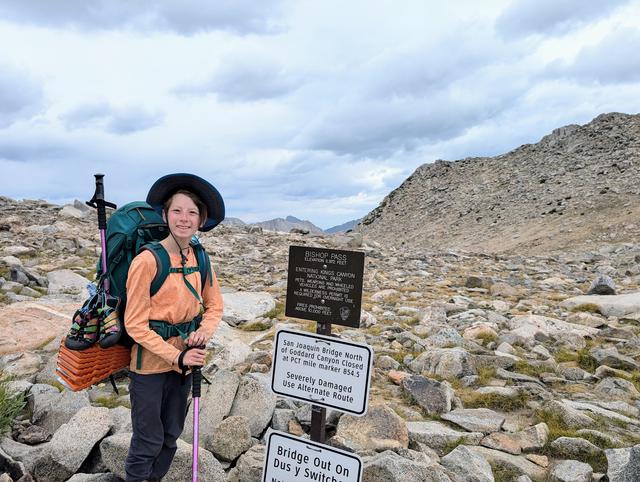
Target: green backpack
131, 229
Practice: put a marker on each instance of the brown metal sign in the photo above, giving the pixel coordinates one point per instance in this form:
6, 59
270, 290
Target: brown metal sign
325, 285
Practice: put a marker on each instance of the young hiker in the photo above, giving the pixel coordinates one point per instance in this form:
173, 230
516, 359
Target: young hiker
184, 313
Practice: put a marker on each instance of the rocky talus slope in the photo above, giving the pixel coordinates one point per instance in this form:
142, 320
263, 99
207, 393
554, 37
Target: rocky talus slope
576, 187
488, 367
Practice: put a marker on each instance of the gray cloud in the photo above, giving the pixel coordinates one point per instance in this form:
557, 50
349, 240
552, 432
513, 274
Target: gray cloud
133, 119
186, 17
422, 69
102, 115
552, 17
34, 149
378, 127
427, 92
20, 96
86, 115
246, 81
613, 60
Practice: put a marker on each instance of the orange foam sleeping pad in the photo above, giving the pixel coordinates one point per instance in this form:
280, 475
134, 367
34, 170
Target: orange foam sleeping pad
79, 369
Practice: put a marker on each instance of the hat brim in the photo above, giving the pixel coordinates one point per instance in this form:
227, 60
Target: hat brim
167, 185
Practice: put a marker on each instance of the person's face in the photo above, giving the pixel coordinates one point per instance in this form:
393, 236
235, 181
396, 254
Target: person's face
182, 217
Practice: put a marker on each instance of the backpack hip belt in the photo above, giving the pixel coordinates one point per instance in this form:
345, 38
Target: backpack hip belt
169, 330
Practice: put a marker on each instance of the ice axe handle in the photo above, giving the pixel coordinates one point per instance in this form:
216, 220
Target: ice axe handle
98, 202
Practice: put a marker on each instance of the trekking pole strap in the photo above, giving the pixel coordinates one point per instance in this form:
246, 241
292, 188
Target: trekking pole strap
196, 373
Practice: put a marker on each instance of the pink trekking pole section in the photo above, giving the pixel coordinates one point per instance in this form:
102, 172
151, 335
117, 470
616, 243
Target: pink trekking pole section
197, 383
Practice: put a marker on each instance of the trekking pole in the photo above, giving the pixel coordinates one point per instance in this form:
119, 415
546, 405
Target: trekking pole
98, 202
195, 390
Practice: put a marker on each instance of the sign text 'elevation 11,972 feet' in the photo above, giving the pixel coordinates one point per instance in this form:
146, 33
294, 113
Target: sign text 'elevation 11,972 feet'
323, 370
294, 459
325, 285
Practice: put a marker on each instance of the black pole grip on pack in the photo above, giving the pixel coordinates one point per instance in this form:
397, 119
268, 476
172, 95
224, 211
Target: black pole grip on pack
98, 202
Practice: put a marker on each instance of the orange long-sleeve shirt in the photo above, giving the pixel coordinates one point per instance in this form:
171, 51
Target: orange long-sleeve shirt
173, 303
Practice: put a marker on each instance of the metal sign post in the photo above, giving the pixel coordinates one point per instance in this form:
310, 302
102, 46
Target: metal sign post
318, 413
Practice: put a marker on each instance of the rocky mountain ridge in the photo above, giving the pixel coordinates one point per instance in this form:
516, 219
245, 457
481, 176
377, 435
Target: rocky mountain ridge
284, 225
576, 187
344, 227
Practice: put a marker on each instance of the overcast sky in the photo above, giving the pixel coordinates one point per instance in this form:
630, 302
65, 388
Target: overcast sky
304, 108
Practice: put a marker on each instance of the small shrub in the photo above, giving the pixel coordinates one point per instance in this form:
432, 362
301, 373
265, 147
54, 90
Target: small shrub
487, 337
586, 361
455, 383
375, 330
276, 312
11, 404
576, 388
448, 447
635, 378
504, 473
597, 461
602, 442
586, 308
400, 355
309, 326
526, 368
58, 385
412, 321
259, 326
564, 355
110, 401
486, 374
450, 345
407, 398
557, 427
557, 297
495, 401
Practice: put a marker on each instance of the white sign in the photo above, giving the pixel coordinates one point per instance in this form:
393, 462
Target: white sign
294, 459
323, 370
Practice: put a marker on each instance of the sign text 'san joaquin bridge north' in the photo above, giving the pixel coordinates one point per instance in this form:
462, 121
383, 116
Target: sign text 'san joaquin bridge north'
325, 285
324, 370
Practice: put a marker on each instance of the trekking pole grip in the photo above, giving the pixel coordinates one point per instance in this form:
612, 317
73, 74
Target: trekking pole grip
196, 381
99, 200
99, 195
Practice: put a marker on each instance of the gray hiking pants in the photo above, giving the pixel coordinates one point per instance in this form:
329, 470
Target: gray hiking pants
158, 411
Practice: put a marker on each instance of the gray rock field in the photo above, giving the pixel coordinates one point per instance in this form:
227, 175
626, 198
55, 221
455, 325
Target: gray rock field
490, 363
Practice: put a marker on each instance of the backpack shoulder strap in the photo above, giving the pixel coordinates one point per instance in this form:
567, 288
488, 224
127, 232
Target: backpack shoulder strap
204, 263
163, 265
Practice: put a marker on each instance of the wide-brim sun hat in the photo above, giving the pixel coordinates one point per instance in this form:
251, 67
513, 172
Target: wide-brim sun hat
167, 185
